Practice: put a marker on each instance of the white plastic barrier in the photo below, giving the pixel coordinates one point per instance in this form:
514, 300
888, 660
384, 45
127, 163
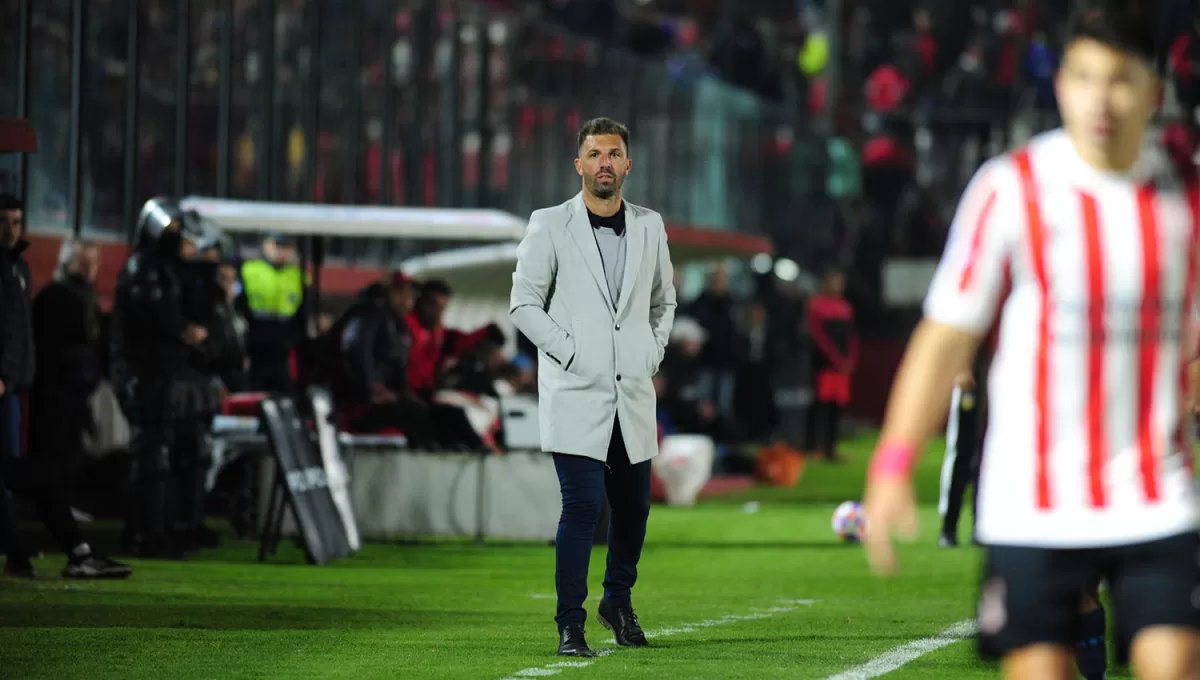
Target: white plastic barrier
684, 464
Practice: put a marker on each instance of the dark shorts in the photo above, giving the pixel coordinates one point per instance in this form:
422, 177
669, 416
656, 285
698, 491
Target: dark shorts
1032, 595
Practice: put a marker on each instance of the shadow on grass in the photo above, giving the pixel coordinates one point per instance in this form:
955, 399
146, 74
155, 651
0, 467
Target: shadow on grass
225, 617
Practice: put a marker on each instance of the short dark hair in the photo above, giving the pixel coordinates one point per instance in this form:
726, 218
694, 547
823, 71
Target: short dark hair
10, 202
602, 126
1119, 24
436, 287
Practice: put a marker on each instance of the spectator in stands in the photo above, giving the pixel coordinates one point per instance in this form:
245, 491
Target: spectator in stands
227, 331
1185, 65
713, 310
272, 301
66, 332
925, 46
887, 89
888, 167
1182, 142
376, 344
834, 357
435, 348
739, 54
918, 228
1041, 63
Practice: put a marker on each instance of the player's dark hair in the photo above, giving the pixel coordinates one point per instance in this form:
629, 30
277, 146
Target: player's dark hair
10, 202
602, 126
1123, 25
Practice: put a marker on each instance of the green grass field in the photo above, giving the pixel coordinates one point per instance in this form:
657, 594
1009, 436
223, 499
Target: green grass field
725, 592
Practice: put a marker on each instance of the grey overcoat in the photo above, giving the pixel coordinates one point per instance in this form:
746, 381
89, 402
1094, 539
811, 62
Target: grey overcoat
595, 362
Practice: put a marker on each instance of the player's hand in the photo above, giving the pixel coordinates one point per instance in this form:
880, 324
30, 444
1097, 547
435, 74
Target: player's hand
891, 511
1, 388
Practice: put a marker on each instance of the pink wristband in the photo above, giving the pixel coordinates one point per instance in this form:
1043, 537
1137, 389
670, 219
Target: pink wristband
893, 459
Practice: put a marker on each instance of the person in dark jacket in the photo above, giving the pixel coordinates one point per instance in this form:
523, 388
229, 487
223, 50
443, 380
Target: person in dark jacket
834, 355
227, 334
754, 402
29, 475
66, 332
376, 344
16, 331
436, 349
11, 368
713, 309
152, 339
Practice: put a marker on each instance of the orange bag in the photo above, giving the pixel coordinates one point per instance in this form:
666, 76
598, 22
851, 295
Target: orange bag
778, 465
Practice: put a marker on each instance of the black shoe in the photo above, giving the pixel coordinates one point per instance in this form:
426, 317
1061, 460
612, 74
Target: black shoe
92, 566
948, 541
623, 623
572, 643
19, 567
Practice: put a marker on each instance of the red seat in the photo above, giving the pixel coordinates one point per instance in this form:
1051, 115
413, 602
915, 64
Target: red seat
243, 404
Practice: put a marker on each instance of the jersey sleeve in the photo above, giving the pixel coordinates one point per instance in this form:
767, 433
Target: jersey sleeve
971, 279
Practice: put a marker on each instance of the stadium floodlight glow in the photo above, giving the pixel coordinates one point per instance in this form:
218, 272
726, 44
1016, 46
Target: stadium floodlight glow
786, 269
761, 263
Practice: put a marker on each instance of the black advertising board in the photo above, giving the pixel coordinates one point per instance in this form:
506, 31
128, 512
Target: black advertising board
302, 484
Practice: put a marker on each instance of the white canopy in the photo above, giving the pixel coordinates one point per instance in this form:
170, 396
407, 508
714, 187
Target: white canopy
313, 219
479, 271
486, 271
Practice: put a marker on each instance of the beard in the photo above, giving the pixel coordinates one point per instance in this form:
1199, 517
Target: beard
605, 188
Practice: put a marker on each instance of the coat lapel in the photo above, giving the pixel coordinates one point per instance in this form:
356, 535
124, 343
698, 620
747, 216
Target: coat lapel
635, 246
581, 231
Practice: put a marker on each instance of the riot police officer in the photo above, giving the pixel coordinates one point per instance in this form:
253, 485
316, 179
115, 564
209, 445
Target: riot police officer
163, 396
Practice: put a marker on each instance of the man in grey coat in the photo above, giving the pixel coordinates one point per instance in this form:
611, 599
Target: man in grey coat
593, 291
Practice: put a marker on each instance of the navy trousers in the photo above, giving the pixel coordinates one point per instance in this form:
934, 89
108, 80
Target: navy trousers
584, 483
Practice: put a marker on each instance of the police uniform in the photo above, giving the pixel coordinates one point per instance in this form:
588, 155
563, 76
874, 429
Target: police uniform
162, 395
271, 301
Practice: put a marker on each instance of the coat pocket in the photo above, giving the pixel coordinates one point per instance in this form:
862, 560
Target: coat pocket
654, 354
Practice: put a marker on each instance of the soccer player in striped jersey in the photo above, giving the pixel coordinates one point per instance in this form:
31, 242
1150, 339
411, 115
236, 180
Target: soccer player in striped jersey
1086, 240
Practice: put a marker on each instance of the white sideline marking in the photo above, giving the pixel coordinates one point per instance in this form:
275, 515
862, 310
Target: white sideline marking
899, 656
557, 667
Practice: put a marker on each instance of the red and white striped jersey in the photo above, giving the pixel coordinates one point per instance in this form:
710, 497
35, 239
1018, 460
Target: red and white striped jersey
1096, 273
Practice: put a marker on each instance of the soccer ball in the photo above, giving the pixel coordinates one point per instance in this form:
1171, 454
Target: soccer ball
850, 522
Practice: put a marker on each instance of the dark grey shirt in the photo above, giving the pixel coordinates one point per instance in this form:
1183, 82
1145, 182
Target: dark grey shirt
610, 239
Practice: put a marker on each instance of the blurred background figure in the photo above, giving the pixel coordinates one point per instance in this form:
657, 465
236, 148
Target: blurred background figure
67, 334
16, 333
273, 304
376, 343
714, 311
227, 333
154, 341
834, 356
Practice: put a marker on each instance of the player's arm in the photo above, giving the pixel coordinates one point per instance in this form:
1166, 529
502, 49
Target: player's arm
960, 307
966, 290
